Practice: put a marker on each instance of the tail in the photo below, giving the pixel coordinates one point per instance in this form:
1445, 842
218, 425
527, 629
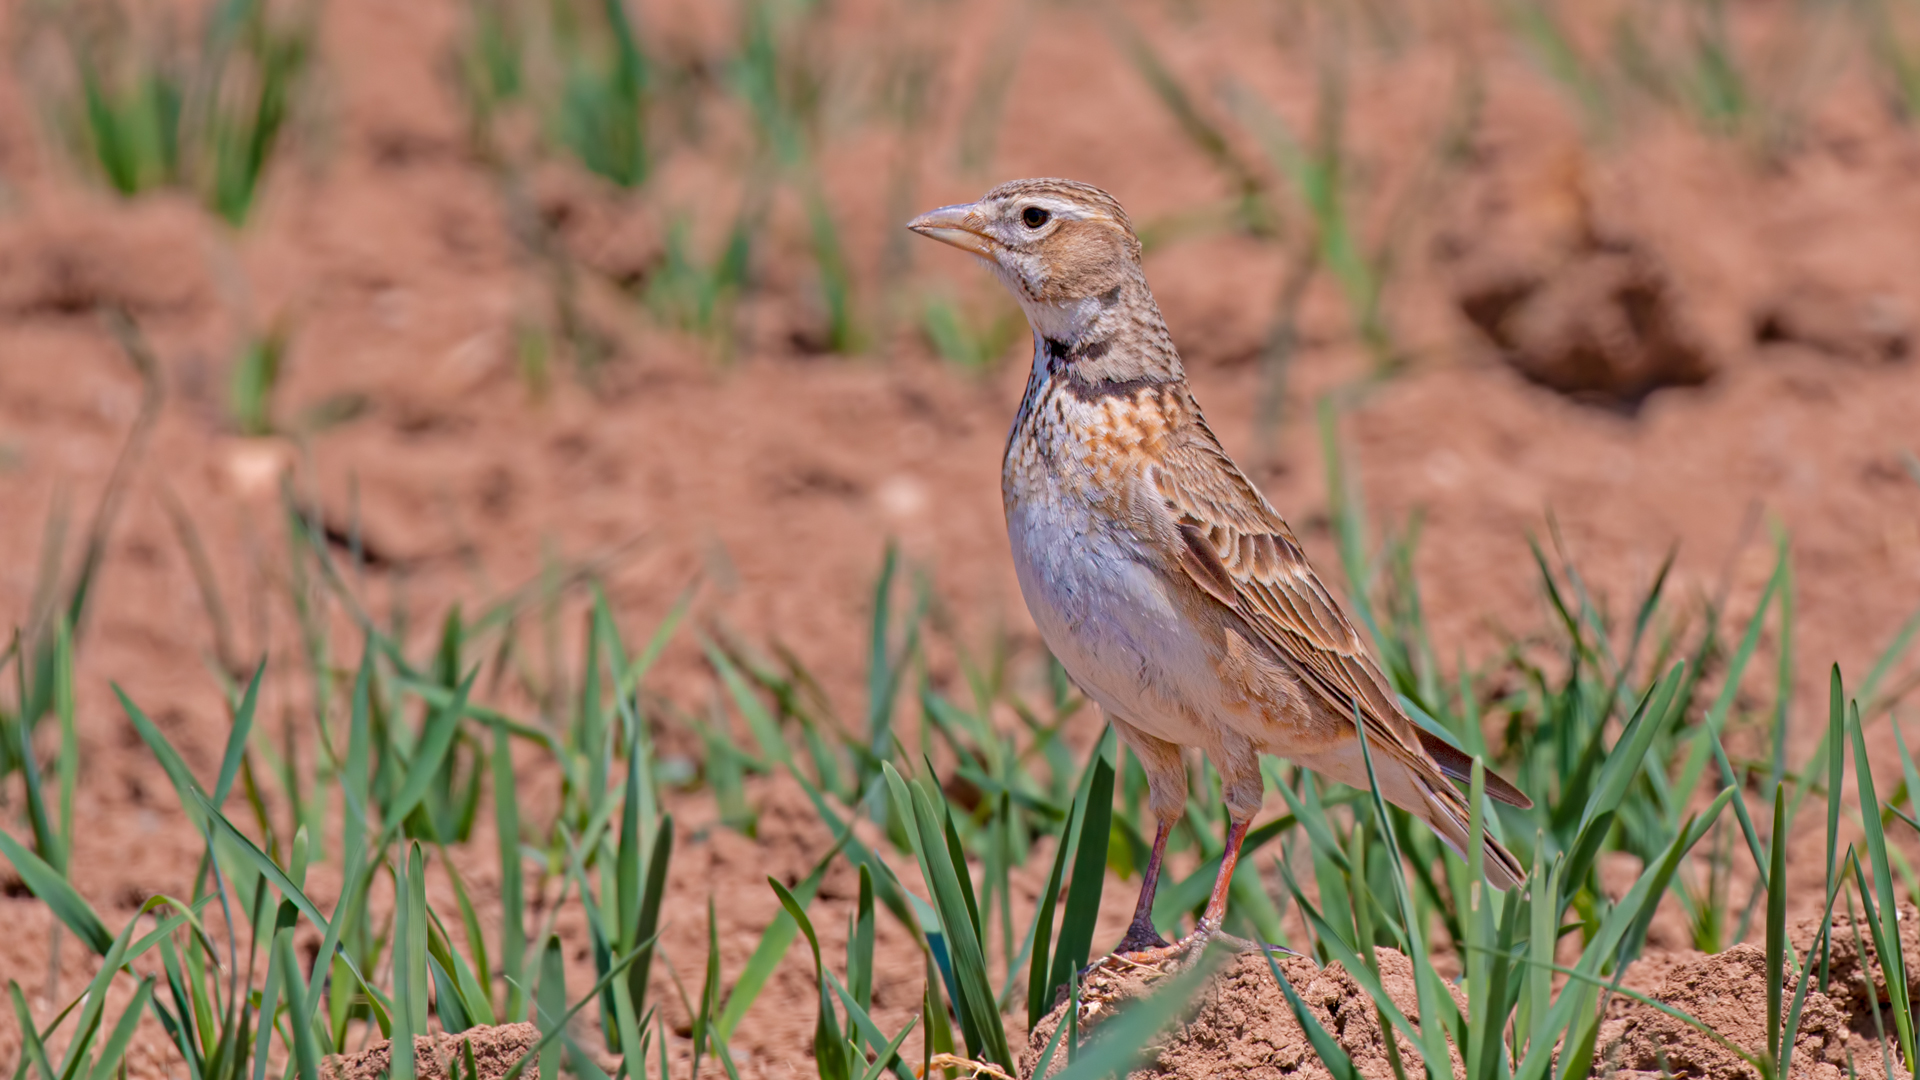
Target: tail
1421, 789
1446, 813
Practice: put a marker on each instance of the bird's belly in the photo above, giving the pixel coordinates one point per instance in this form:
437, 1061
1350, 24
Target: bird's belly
1109, 617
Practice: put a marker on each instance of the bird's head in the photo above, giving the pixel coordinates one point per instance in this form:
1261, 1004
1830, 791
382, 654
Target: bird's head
1065, 249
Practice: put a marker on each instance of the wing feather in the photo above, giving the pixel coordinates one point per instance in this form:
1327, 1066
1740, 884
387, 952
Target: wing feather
1242, 553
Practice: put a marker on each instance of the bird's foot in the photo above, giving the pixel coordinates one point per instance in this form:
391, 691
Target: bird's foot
1152, 950
1141, 938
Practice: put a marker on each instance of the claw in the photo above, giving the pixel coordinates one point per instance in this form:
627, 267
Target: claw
1156, 952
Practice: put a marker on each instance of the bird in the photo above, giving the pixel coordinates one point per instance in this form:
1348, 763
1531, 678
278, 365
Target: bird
1157, 573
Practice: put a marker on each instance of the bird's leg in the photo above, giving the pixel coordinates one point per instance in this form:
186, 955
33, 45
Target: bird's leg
1146, 951
1216, 912
1167, 800
1141, 936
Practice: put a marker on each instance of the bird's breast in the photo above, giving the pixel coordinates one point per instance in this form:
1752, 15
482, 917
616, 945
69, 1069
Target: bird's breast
1096, 586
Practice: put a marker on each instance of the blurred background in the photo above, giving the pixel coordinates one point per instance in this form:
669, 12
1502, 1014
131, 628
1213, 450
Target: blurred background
466, 303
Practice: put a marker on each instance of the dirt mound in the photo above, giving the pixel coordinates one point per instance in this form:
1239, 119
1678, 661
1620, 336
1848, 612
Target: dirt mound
1728, 992
495, 1050
1604, 326
1242, 1025
1853, 965
1569, 290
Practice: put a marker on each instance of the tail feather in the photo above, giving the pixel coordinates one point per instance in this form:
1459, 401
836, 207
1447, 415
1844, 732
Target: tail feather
1424, 791
1447, 814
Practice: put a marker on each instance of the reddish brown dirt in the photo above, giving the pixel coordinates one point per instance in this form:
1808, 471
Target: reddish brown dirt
1241, 1024
496, 1050
1543, 290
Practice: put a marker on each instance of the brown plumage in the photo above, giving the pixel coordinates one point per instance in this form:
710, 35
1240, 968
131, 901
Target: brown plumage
1171, 591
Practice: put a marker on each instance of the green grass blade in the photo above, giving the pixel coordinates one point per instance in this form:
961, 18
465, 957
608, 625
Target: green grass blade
476, 943
870, 1032
237, 737
1624, 923
51, 887
1889, 657
552, 998
766, 730
435, 739
1886, 926
513, 930
627, 860
1089, 877
975, 1002
117, 955
1628, 757
277, 976
647, 919
860, 944
774, 942
889, 1052
1836, 776
113, 1051
550, 1007
1777, 930
258, 862
68, 766
1704, 740
184, 785
1040, 988
829, 1048
1434, 1002
32, 1048
447, 999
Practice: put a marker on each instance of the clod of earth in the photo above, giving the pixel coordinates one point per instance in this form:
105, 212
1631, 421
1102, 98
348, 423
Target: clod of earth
1603, 326
1852, 962
495, 1051
1728, 992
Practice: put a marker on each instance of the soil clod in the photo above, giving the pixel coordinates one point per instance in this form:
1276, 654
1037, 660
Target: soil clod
439, 1057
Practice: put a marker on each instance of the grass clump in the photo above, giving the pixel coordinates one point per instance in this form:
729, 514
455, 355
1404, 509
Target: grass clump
146, 107
599, 89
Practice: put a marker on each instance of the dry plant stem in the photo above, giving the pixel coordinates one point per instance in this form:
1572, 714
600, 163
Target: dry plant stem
974, 1068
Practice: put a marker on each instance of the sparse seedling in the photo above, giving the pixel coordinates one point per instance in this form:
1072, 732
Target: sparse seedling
148, 106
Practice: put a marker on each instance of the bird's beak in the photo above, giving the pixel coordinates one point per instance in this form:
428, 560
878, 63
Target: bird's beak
963, 226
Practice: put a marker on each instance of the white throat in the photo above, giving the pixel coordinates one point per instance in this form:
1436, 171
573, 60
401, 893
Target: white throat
1067, 322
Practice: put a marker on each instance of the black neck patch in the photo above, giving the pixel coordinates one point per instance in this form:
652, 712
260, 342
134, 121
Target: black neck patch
1062, 352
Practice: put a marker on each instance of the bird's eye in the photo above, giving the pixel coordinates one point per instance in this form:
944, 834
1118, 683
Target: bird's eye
1034, 217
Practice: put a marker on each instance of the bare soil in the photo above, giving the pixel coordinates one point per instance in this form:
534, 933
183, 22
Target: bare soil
1659, 340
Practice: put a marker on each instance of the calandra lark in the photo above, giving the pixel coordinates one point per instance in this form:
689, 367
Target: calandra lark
1174, 595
